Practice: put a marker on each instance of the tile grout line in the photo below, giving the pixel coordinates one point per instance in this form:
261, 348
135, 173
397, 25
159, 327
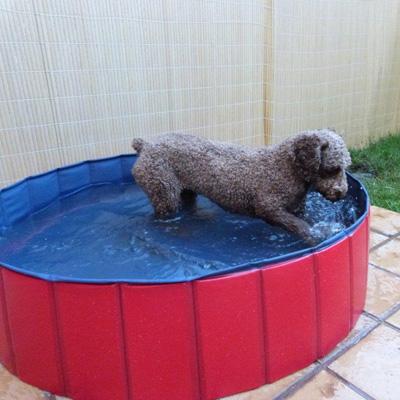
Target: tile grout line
392, 310
350, 385
373, 316
371, 264
388, 235
385, 315
372, 229
299, 383
390, 325
380, 244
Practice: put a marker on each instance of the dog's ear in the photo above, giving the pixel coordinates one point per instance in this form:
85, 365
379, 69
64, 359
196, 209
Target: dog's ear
308, 150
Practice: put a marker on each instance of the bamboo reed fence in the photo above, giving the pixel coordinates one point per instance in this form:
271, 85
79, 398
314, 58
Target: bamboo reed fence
80, 78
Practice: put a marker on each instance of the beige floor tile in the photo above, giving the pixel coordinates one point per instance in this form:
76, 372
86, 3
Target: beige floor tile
376, 238
325, 386
395, 319
383, 291
270, 391
385, 221
387, 256
11, 388
373, 365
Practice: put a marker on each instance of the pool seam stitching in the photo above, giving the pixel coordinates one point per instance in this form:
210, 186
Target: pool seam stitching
125, 358
7, 324
197, 340
264, 337
60, 347
317, 297
351, 276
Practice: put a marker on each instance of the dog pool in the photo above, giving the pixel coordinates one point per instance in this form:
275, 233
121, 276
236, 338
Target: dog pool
101, 300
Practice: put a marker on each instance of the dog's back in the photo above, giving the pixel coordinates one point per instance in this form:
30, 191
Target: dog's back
222, 172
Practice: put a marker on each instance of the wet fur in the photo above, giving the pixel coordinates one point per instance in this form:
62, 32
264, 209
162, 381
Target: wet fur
268, 183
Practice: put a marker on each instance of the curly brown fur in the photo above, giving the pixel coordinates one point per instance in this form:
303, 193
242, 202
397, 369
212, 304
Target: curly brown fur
268, 182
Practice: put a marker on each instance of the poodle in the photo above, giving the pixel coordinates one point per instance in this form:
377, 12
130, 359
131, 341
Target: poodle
270, 182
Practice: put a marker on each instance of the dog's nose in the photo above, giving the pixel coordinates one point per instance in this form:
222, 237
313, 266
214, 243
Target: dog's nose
339, 193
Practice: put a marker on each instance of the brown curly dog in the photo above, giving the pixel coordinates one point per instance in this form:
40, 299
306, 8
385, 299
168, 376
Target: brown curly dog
267, 183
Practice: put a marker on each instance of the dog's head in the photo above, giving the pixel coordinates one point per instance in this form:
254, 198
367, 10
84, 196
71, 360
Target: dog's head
321, 157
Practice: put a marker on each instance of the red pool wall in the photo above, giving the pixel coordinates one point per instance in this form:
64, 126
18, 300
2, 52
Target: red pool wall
201, 340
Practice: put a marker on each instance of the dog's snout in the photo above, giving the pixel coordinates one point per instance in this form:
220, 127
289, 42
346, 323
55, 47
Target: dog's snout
338, 193
335, 194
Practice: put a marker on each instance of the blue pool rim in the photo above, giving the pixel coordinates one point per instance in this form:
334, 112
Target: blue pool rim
35, 193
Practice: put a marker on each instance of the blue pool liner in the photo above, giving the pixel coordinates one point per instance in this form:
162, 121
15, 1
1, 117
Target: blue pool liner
35, 193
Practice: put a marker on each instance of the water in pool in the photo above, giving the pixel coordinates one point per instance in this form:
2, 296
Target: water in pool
108, 232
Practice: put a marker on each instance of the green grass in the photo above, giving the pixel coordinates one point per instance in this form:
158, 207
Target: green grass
378, 166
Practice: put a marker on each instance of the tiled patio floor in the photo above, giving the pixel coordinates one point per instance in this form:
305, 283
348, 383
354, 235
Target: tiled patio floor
364, 366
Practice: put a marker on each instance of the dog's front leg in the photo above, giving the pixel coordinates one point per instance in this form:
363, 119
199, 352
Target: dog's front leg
288, 221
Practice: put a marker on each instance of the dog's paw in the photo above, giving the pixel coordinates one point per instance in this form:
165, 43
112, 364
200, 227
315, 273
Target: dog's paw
312, 240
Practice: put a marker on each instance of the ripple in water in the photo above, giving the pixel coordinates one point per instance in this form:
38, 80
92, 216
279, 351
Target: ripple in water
328, 218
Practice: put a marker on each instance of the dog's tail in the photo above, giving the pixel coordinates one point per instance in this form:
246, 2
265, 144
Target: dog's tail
138, 144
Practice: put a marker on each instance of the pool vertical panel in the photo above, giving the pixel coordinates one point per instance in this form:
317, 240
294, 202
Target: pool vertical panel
230, 333
105, 170
332, 269
127, 163
73, 178
15, 203
31, 314
160, 341
6, 352
91, 341
289, 317
359, 270
43, 189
